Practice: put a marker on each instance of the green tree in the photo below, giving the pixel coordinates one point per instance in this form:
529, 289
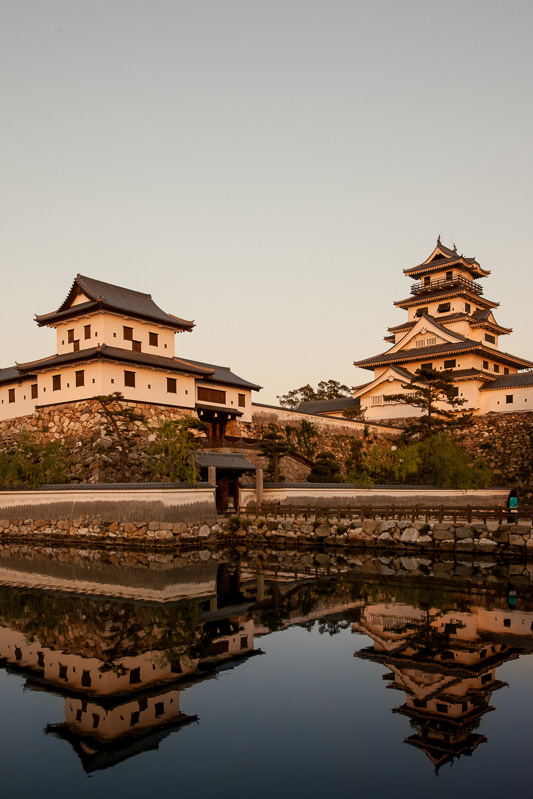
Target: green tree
443, 462
274, 447
327, 389
169, 454
325, 469
304, 438
123, 424
32, 463
428, 390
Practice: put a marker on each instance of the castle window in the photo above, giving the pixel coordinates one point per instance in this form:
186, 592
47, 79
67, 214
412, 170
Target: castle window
135, 716
172, 385
505, 370
127, 333
509, 399
34, 391
129, 379
87, 331
449, 275
427, 280
11, 395
444, 307
485, 364
242, 400
451, 364
70, 336
135, 676
441, 707
80, 378
56, 383
426, 365
153, 339
496, 367
490, 339
421, 311
76, 344
431, 342
377, 400
86, 680
136, 346
467, 307
211, 395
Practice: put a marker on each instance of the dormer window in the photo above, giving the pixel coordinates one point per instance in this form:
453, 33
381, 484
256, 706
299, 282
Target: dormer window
127, 333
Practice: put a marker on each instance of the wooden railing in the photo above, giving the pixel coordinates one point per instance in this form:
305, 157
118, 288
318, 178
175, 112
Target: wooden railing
443, 283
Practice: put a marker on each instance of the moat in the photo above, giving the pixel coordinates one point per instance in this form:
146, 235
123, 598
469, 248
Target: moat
270, 672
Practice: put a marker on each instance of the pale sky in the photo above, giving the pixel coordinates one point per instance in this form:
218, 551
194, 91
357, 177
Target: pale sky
265, 168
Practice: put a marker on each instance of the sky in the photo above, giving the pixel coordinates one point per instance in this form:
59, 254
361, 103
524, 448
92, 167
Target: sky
267, 169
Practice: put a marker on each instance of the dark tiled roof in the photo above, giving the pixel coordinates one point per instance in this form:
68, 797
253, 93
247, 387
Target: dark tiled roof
116, 354
451, 256
114, 298
223, 374
223, 460
328, 406
422, 299
12, 375
419, 353
218, 408
518, 380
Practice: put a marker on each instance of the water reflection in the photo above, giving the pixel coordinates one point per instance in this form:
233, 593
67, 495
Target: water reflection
121, 636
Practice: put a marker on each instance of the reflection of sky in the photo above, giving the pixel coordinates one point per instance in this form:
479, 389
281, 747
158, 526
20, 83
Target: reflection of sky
306, 719
266, 168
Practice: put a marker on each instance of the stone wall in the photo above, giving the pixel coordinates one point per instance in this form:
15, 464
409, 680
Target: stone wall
407, 536
90, 453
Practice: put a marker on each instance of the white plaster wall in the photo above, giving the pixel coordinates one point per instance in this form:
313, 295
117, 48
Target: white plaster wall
494, 401
107, 329
166, 497
232, 398
23, 405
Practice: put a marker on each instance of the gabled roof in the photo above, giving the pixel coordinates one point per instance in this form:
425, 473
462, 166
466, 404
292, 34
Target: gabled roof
107, 296
519, 380
443, 256
12, 375
455, 291
424, 353
233, 461
116, 354
420, 326
223, 374
328, 406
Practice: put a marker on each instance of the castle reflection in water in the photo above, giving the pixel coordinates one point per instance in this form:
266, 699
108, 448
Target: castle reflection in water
121, 640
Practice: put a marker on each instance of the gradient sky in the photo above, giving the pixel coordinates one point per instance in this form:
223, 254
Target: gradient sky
265, 168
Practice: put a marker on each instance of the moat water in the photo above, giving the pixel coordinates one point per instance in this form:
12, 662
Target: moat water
269, 674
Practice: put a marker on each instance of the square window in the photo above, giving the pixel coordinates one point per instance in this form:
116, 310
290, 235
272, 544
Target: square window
172, 385
129, 379
136, 346
80, 378
509, 399
87, 331
153, 339
127, 333
56, 383
11, 394
34, 391
70, 336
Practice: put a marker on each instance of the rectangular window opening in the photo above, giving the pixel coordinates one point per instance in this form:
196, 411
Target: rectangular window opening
87, 331
153, 339
34, 391
80, 378
56, 383
129, 379
211, 395
11, 395
127, 333
70, 336
172, 385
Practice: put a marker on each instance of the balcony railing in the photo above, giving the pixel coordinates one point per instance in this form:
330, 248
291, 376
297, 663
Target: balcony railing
441, 283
